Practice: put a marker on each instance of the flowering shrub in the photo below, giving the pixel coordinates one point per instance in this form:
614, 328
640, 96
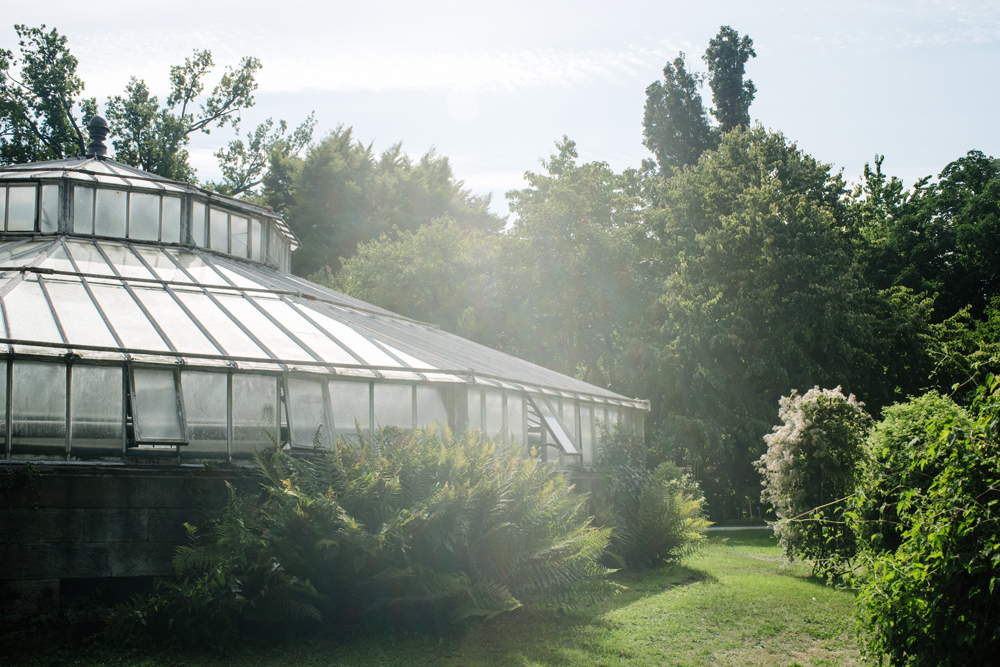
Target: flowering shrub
933, 601
810, 466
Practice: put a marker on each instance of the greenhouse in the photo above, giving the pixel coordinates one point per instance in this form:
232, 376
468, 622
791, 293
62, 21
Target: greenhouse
144, 320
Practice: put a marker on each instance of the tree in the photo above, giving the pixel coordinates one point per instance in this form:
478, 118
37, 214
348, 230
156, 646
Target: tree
577, 281
810, 468
933, 601
759, 297
40, 105
726, 57
936, 238
343, 195
675, 125
39, 94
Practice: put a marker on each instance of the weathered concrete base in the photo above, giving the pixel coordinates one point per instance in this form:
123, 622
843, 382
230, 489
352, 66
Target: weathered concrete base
68, 528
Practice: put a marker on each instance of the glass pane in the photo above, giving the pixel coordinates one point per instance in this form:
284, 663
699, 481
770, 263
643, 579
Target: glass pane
39, 409
144, 217
198, 224
21, 208
256, 244
3, 399
157, 414
98, 424
3, 205
219, 230
171, 225
614, 416
50, 209
264, 329
309, 422
306, 331
515, 417
109, 216
175, 323
272, 245
350, 407
80, 319
128, 320
217, 322
205, 411
475, 408
394, 405
83, 209
494, 412
587, 439
30, 318
255, 413
240, 239
432, 405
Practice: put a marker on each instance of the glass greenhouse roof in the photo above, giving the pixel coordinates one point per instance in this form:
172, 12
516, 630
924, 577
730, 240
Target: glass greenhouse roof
124, 301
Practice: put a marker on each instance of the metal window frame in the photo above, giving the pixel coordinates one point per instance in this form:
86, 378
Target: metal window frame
179, 398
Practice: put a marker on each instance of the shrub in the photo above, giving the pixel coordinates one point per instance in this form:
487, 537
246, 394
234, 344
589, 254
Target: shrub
658, 515
895, 444
810, 467
934, 600
403, 529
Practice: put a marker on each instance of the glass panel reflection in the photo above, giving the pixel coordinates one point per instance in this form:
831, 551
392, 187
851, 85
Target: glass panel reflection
49, 223
109, 214
432, 405
587, 440
515, 418
394, 405
144, 217
350, 402
240, 239
21, 208
83, 209
494, 412
309, 422
98, 429
198, 224
218, 230
171, 225
157, 413
38, 413
255, 413
205, 399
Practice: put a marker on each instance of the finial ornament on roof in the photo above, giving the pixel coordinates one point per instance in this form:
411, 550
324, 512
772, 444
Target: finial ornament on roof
98, 128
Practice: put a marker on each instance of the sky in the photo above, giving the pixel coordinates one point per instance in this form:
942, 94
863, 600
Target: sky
493, 86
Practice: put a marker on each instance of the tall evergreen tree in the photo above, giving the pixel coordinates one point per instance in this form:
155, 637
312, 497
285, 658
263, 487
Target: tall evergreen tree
675, 125
727, 56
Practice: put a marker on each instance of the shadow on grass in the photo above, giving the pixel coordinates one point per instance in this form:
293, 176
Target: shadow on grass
572, 637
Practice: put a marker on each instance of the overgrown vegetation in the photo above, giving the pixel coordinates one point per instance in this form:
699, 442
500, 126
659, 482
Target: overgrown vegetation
810, 468
658, 513
405, 530
737, 602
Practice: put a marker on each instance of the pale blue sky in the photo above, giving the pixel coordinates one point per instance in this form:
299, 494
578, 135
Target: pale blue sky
494, 85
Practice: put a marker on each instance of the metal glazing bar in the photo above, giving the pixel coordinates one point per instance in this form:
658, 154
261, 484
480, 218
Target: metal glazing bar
219, 305
187, 311
291, 304
281, 327
128, 288
97, 305
52, 311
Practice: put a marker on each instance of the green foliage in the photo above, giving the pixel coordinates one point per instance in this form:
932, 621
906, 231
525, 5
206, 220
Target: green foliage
38, 93
810, 467
676, 127
898, 462
726, 57
658, 514
936, 238
39, 106
932, 601
405, 529
343, 195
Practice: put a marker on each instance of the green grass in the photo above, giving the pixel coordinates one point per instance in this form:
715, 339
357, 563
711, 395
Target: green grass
739, 602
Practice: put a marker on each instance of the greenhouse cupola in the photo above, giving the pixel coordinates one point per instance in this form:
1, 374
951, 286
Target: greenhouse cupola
147, 320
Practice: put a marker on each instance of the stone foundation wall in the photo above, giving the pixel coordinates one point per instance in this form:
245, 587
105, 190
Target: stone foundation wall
64, 524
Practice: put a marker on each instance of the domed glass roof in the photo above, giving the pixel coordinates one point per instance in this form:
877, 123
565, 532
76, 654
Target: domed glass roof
142, 317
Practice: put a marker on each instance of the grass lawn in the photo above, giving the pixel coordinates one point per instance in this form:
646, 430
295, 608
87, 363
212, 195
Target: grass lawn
736, 603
